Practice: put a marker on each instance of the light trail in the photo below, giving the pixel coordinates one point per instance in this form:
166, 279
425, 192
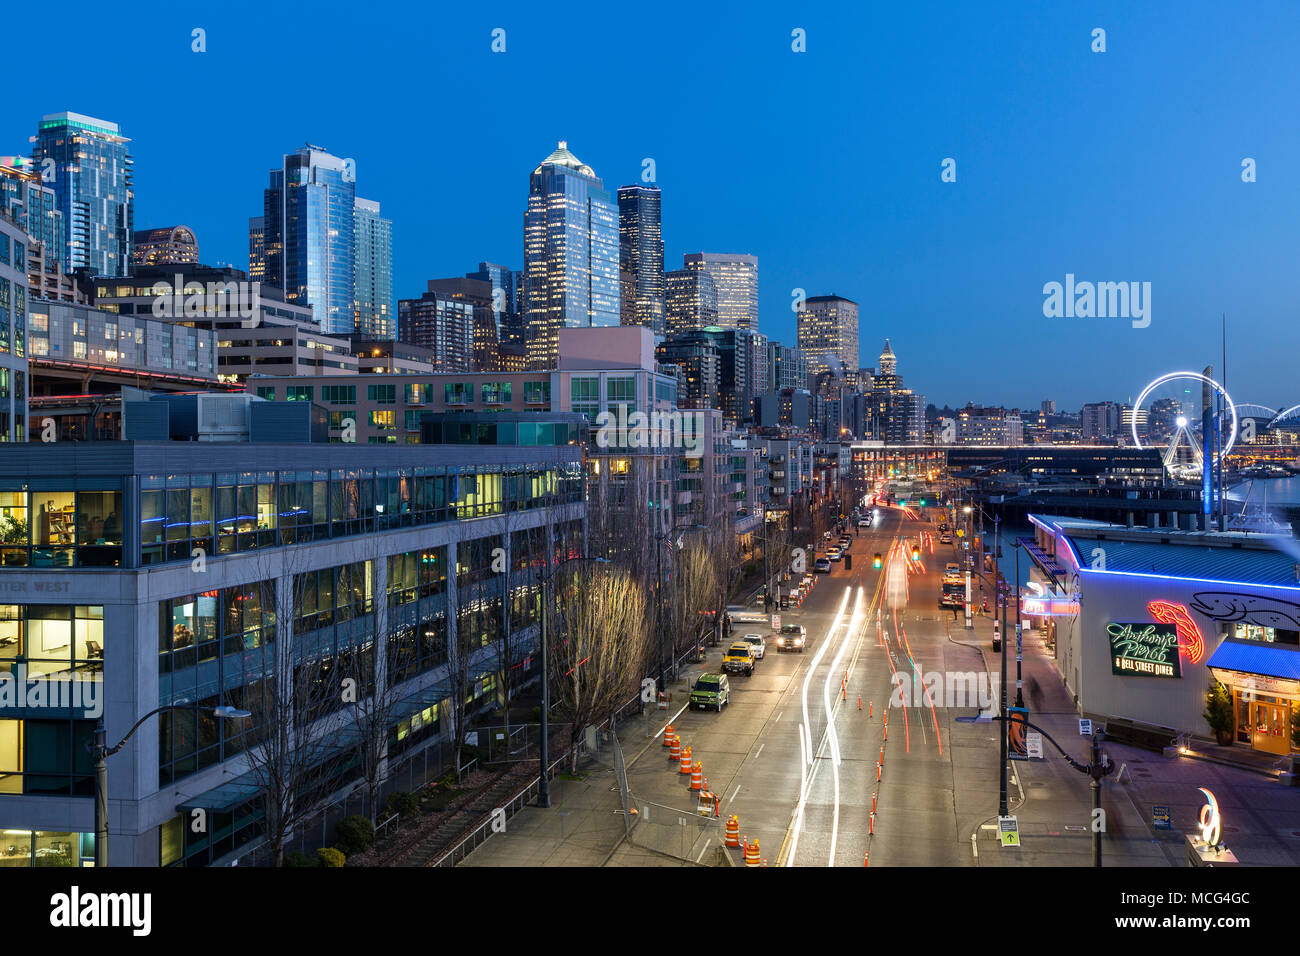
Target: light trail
834, 669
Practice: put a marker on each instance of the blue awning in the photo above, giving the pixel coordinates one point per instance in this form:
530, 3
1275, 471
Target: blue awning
1257, 657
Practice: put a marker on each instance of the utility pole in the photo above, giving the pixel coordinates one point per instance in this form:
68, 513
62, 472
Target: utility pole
1002, 735
1020, 695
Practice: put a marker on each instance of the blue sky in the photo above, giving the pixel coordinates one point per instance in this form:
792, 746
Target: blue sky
1115, 166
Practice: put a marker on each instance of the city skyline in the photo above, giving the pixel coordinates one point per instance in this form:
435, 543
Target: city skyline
878, 225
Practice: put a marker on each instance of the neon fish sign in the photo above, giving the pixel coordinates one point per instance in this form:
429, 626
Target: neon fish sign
1190, 642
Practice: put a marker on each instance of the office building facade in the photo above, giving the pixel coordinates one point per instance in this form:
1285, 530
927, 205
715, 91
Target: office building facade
828, 335
735, 277
691, 301
313, 554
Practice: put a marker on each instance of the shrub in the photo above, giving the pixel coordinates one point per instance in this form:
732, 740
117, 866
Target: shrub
354, 834
402, 803
295, 858
330, 857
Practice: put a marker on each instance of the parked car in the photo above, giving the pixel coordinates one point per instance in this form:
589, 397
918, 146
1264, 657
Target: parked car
822, 566
711, 690
807, 582
834, 554
791, 637
738, 659
759, 645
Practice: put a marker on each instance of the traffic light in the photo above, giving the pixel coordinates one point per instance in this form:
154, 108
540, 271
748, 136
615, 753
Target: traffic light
916, 553
922, 502
876, 562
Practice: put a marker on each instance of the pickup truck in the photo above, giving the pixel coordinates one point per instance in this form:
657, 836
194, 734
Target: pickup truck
738, 659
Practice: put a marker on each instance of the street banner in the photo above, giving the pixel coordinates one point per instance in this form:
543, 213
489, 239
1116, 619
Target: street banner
1017, 729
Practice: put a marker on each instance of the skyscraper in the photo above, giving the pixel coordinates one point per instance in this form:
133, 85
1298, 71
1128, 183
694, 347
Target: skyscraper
735, 277
828, 334
372, 286
257, 249
691, 301
641, 257
895, 414
85, 161
309, 211
570, 253
505, 298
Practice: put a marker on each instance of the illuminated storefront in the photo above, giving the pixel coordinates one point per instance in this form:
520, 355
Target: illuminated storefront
1143, 621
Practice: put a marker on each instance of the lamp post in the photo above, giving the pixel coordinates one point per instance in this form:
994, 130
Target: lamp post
1098, 767
544, 748
100, 752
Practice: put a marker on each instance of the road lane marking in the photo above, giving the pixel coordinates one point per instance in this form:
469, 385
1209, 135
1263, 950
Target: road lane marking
759, 750
777, 717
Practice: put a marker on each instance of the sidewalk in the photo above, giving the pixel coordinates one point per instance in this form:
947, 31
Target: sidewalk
584, 825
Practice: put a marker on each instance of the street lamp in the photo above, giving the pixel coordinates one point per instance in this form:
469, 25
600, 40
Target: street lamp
100, 752
1098, 767
544, 782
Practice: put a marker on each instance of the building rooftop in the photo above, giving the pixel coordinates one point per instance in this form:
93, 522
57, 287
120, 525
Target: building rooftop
1227, 557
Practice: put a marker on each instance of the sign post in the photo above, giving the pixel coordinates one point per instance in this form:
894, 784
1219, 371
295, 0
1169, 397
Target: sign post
1009, 831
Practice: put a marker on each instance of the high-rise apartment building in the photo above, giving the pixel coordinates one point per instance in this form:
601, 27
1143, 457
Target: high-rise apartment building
487, 332
828, 334
570, 253
641, 258
309, 211
85, 161
443, 323
735, 277
372, 267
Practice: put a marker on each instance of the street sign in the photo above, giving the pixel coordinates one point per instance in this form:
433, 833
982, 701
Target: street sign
1161, 818
1034, 744
1009, 831
776, 622
1085, 727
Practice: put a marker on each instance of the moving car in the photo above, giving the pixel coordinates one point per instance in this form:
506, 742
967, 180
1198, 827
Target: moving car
738, 659
945, 538
864, 522
711, 690
757, 642
822, 566
791, 637
834, 554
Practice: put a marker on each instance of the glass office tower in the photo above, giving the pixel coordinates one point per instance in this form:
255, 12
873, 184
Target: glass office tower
570, 254
309, 220
735, 276
505, 289
373, 267
86, 163
641, 257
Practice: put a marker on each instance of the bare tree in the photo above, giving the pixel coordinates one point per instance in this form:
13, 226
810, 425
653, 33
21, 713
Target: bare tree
286, 744
598, 641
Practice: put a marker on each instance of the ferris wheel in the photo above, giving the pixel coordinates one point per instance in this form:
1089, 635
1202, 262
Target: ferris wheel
1169, 413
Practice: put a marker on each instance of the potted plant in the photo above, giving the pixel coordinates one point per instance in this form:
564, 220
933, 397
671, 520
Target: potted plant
1219, 713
